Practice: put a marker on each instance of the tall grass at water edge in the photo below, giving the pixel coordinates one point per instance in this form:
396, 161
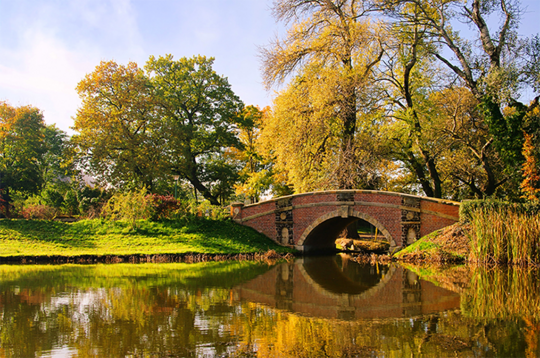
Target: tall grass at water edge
501, 235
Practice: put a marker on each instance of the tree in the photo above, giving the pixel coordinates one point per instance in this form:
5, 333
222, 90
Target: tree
493, 65
410, 77
530, 186
331, 51
57, 163
118, 142
21, 150
257, 175
197, 112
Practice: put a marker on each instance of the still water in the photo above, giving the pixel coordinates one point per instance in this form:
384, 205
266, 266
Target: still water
312, 307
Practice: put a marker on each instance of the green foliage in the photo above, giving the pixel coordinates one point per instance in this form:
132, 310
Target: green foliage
21, 148
91, 200
52, 197
117, 140
137, 129
71, 203
197, 112
130, 206
507, 130
57, 161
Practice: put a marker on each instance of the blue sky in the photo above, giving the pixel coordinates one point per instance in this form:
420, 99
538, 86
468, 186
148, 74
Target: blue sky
48, 46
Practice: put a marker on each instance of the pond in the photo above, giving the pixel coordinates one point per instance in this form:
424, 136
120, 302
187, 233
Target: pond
310, 307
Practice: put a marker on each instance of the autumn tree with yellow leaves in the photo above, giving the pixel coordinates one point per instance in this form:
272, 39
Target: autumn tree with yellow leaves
330, 53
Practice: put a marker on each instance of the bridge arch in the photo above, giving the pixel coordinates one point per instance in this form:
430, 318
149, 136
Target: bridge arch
316, 231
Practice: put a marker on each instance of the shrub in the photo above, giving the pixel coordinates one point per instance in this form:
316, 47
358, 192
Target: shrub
71, 203
130, 206
164, 206
41, 212
52, 197
206, 210
91, 200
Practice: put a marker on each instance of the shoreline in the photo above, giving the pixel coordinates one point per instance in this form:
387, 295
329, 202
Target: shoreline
143, 258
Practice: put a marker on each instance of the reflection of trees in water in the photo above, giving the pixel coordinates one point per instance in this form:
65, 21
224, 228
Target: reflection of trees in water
140, 316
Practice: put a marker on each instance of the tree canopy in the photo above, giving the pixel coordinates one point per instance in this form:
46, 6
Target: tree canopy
374, 84
137, 127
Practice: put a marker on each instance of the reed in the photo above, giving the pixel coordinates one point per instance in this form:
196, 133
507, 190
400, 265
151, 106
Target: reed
504, 235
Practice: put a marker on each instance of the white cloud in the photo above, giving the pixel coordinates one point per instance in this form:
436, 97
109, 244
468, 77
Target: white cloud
51, 55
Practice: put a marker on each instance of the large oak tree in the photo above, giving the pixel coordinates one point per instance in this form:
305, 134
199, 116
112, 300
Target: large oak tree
197, 113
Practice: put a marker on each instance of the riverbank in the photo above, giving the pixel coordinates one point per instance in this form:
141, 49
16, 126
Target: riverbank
448, 245
99, 240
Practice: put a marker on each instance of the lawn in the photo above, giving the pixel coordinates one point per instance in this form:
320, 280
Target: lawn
19, 238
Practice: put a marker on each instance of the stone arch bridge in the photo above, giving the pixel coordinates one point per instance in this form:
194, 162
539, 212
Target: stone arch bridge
313, 221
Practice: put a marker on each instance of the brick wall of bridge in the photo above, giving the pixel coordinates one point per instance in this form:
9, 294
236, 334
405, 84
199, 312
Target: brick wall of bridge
395, 215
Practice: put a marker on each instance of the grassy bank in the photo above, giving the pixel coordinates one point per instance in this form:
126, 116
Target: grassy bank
37, 238
448, 245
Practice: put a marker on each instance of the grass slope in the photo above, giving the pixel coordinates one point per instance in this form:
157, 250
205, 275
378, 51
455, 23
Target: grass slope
100, 237
446, 245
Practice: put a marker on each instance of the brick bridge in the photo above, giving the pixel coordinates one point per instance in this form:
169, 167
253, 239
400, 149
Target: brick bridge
313, 221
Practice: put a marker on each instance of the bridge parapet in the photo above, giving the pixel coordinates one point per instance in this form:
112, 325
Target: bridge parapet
313, 220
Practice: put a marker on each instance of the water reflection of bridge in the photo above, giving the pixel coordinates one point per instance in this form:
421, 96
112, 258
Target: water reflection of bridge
344, 289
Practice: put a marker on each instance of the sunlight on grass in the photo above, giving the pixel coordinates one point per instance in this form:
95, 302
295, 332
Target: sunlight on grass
100, 237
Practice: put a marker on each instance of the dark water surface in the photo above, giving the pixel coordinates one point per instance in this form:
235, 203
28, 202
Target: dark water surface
312, 307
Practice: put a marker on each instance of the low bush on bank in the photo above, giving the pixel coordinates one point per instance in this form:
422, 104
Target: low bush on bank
39, 212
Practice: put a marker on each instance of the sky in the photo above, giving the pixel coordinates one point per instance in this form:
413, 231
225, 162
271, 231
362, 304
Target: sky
48, 46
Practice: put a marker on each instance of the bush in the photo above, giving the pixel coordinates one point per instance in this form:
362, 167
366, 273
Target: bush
164, 206
206, 210
41, 212
91, 200
130, 206
71, 203
52, 197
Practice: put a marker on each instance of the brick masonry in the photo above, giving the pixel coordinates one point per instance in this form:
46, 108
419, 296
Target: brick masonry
313, 220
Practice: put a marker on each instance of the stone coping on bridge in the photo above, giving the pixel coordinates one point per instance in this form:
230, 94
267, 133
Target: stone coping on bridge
380, 192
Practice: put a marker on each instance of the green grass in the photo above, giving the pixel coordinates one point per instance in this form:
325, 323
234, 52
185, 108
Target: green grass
100, 237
